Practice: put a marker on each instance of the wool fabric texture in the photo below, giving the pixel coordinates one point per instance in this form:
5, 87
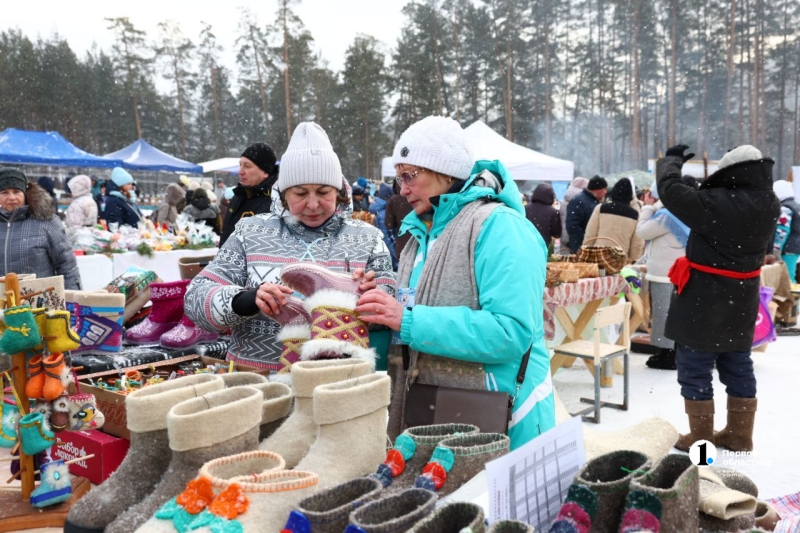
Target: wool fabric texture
739, 154
147, 408
733, 479
309, 159
121, 177
438, 144
275, 408
721, 502
11, 178
262, 155
328, 511
395, 513
470, 453
597, 183
452, 518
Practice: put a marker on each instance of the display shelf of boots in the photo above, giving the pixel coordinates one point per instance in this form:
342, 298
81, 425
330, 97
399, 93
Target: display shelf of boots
16, 514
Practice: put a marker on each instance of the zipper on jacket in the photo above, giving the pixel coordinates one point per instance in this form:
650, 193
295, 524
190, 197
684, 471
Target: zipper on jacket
8, 236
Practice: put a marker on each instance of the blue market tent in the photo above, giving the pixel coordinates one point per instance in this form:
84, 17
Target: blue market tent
47, 148
142, 156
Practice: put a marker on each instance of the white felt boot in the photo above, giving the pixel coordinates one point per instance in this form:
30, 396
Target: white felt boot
276, 407
352, 417
295, 436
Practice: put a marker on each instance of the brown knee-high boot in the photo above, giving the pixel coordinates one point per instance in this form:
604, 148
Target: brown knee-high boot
701, 423
737, 435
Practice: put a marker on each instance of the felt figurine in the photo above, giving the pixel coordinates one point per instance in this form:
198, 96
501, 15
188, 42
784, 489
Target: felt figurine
54, 369
59, 419
83, 413
55, 487
21, 330
9, 414
34, 388
35, 433
60, 336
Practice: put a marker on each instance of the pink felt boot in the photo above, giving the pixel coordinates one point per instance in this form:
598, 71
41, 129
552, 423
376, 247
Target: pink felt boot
185, 335
167, 311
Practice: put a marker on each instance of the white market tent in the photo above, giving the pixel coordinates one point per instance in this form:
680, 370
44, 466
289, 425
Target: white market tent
226, 164
523, 163
387, 168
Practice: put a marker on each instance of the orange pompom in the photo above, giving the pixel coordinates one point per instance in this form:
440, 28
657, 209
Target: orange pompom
230, 503
197, 495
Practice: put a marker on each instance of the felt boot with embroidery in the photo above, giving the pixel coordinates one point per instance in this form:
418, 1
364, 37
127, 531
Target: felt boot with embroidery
458, 459
310, 278
596, 498
394, 513
167, 311
83, 413
35, 433
59, 418
737, 435
351, 440
328, 511
663, 500
256, 504
701, 423
295, 331
214, 477
452, 518
336, 331
411, 451
276, 407
34, 388
185, 335
21, 331
510, 526
59, 334
148, 457
54, 375
217, 424
9, 416
296, 435
55, 486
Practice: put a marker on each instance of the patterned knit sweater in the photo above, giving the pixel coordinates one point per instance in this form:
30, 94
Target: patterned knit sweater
255, 253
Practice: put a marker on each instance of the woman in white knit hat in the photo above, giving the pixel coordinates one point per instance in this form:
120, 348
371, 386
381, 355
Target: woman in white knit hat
471, 281
241, 289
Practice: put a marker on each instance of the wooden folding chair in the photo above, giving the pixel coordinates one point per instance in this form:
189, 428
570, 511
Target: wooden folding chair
598, 352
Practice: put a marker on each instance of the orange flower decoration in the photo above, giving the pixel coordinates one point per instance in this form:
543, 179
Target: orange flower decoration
197, 496
230, 503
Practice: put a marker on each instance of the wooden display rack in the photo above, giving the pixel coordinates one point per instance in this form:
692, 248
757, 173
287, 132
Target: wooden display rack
16, 512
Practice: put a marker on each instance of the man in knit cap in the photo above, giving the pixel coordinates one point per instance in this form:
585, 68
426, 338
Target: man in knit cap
258, 172
580, 209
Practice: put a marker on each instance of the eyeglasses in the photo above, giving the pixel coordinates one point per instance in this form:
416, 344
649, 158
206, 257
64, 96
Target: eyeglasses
407, 178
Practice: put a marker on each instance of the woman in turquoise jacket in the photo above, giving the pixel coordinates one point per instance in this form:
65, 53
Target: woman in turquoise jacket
471, 281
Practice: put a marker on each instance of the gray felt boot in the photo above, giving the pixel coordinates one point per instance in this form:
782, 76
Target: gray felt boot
276, 407
452, 518
510, 526
148, 457
329, 511
393, 514
215, 425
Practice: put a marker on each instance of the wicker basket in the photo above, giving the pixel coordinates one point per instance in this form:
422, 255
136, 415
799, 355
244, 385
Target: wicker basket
587, 270
552, 278
568, 275
563, 258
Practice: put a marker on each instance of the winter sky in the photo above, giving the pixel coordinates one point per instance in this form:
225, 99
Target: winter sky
332, 23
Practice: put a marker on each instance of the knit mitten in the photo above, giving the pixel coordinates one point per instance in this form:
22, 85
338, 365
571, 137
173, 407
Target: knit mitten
411, 451
21, 331
167, 311
55, 372
60, 337
329, 510
295, 331
214, 477
510, 526
9, 416
452, 518
55, 486
83, 413
34, 388
721, 502
351, 439
395, 513
336, 330
276, 407
217, 424
35, 433
59, 418
149, 454
294, 437
596, 498
257, 504
664, 499
458, 459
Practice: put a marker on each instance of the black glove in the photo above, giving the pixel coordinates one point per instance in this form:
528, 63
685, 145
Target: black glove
679, 152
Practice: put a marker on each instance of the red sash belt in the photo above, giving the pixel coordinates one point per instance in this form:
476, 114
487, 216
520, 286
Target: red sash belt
680, 271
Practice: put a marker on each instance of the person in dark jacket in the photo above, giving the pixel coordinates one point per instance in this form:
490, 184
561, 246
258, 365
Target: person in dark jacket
360, 199
201, 209
542, 214
580, 209
378, 208
396, 210
258, 172
118, 206
732, 218
790, 251
167, 211
32, 236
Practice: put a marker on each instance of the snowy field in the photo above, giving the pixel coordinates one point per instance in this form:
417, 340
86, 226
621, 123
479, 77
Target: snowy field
775, 460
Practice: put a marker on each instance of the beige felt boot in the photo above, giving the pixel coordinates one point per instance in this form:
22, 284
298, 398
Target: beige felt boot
276, 407
296, 435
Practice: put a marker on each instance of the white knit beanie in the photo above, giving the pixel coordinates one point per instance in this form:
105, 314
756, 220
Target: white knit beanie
309, 159
745, 152
438, 144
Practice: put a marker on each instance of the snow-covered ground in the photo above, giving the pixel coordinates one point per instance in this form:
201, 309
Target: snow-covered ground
775, 461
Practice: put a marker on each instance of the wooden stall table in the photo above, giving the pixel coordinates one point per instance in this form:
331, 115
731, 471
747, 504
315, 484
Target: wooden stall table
776, 277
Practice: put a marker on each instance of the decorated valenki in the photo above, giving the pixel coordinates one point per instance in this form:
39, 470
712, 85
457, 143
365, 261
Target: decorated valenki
329, 510
83, 413
97, 319
34, 387
217, 424
56, 374
596, 498
510, 526
458, 459
294, 437
167, 311
351, 439
21, 332
214, 477
295, 331
9, 415
395, 513
663, 500
459, 517
55, 486
411, 451
35, 433
60, 337
149, 454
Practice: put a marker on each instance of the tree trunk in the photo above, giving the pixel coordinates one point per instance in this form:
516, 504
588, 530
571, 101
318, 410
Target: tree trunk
701, 120
673, 74
729, 86
741, 95
548, 122
756, 81
456, 31
601, 82
134, 101
565, 91
215, 105
179, 90
797, 118
367, 148
637, 155
286, 74
782, 112
262, 90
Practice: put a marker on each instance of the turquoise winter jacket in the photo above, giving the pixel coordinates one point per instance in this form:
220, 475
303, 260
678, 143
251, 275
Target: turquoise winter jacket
510, 269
